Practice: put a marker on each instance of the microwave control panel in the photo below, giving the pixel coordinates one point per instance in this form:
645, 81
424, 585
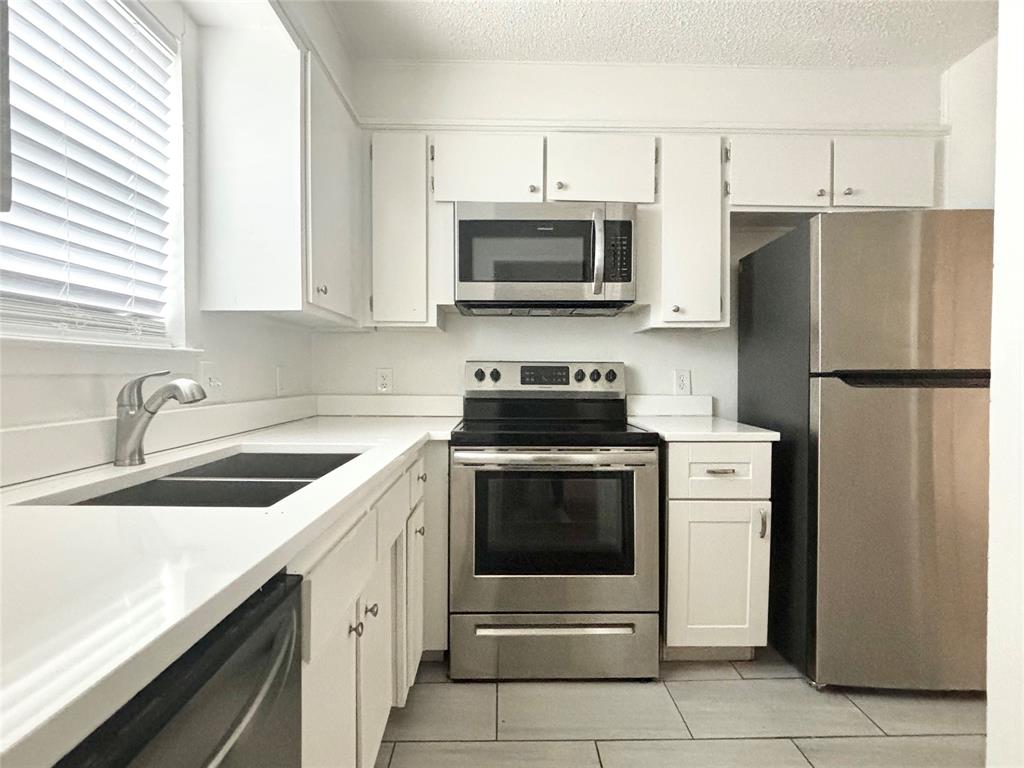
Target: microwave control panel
618, 251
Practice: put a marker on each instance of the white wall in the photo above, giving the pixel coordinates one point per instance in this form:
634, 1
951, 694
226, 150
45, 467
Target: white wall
432, 363
642, 95
1005, 746
45, 383
969, 108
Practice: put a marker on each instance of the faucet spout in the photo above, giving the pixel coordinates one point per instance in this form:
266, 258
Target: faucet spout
134, 415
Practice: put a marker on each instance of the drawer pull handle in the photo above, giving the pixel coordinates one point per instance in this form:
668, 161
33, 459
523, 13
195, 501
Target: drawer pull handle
764, 523
422, 531
555, 630
729, 471
357, 630
373, 610
422, 478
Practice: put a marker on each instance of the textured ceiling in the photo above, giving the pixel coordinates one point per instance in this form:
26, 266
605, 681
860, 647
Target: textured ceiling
776, 33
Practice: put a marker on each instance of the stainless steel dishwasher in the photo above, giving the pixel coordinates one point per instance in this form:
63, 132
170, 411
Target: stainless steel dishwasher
232, 699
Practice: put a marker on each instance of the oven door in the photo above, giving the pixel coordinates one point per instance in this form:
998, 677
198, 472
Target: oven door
554, 530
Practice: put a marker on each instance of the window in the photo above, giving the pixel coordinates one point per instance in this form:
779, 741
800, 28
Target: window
86, 249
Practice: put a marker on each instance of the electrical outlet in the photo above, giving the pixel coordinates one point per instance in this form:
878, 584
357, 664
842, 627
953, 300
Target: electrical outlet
385, 380
209, 380
681, 382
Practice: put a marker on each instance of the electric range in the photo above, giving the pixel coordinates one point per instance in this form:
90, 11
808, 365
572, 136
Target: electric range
554, 526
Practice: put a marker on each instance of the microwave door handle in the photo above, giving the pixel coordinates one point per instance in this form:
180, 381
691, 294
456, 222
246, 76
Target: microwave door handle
598, 252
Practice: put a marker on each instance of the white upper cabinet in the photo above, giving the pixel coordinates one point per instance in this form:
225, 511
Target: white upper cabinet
885, 171
488, 167
399, 227
600, 166
694, 231
768, 170
332, 178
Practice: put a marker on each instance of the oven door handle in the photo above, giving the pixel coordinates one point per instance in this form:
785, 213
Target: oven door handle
598, 252
626, 459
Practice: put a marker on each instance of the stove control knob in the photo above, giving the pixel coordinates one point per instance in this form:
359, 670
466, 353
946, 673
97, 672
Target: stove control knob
611, 376
479, 375
580, 375
495, 375
595, 375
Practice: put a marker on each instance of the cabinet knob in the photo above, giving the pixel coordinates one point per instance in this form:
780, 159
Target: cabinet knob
357, 630
560, 185
422, 478
822, 192
533, 188
848, 191
422, 530
322, 289
676, 308
373, 610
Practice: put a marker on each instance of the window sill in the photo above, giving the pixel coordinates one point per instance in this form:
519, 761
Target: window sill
112, 346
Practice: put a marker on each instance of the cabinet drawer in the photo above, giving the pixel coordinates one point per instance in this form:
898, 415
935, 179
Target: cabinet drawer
392, 511
418, 481
719, 470
335, 582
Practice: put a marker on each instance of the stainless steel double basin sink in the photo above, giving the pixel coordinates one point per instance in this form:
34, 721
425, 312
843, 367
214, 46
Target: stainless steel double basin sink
239, 480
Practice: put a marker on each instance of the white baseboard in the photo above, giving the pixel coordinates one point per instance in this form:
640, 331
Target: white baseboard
389, 405
669, 405
40, 450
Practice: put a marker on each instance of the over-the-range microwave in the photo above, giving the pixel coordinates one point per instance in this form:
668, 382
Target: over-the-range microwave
544, 258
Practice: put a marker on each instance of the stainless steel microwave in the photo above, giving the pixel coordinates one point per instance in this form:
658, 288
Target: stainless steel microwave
544, 258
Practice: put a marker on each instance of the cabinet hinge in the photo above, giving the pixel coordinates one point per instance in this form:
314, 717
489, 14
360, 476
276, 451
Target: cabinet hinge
727, 189
431, 151
726, 154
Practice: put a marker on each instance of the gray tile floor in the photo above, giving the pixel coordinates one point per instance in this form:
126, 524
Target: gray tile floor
756, 714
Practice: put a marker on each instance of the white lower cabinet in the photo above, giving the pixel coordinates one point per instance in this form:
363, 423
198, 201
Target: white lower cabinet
415, 534
717, 573
375, 662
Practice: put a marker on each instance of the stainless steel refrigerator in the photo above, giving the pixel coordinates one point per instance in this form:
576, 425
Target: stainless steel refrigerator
864, 340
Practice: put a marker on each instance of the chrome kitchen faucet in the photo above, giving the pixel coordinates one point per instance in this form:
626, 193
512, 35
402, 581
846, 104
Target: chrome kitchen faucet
134, 414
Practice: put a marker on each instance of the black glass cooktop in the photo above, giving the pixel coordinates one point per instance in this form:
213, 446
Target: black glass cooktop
554, 432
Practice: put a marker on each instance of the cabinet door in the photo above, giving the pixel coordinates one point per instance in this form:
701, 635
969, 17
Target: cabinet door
332, 177
415, 533
399, 227
717, 581
375, 661
882, 171
489, 167
329, 699
606, 167
693, 226
780, 170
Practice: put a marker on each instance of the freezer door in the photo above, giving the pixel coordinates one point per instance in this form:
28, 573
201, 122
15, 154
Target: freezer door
901, 290
902, 534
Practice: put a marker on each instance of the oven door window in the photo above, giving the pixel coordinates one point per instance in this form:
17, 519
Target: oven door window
535, 523
526, 251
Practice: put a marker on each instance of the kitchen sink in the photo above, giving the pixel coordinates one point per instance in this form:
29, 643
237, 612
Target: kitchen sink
264, 466
168, 492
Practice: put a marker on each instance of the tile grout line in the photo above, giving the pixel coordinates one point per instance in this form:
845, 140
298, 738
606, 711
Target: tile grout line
870, 720
802, 753
675, 704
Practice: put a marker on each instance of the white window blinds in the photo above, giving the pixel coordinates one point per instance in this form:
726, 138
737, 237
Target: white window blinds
85, 248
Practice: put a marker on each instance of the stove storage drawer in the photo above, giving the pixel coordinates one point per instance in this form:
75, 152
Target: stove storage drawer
509, 646
719, 470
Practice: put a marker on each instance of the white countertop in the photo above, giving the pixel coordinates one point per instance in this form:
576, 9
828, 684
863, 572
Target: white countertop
699, 429
97, 601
